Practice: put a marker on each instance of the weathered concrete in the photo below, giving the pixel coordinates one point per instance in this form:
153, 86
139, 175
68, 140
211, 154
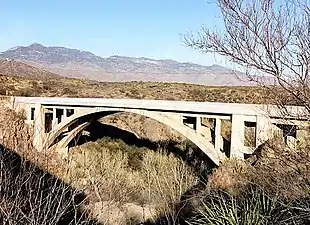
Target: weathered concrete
39, 134
237, 136
185, 117
218, 138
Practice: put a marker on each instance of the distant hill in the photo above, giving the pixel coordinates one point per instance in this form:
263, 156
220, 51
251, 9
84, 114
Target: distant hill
10, 67
81, 64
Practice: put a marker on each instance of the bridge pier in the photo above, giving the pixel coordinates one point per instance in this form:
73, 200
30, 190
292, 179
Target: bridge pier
218, 138
263, 130
198, 126
55, 120
39, 127
237, 136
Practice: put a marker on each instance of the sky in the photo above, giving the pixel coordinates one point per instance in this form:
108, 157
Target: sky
138, 28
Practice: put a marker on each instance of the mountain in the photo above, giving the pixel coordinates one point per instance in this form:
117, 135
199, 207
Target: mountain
82, 64
10, 67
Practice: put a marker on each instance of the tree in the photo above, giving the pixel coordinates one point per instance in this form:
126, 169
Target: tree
266, 37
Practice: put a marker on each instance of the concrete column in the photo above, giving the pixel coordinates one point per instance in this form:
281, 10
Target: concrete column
263, 130
198, 125
29, 113
39, 128
55, 120
64, 115
237, 136
218, 137
28, 110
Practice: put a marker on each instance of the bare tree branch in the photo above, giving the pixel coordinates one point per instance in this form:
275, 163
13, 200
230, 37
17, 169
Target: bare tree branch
265, 37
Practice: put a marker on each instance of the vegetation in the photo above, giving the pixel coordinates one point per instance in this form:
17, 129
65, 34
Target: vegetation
274, 190
271, 38
264, 37
120, 175
108, 180
66, 87
126, 184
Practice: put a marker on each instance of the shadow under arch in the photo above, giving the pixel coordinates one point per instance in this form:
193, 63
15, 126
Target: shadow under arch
184, 130
186, 151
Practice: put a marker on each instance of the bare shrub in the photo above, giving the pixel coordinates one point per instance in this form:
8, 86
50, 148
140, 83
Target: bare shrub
129, 192
283, 171
231, 176
165, 179
278, 170
28, 194
105, 172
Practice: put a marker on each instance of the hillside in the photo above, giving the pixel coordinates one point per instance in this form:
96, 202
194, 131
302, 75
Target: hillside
81, 64
20, 69
69, 87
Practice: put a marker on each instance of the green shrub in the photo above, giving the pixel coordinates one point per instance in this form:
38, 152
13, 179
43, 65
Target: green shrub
256, 207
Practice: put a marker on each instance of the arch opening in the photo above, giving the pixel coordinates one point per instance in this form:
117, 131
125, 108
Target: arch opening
65, 128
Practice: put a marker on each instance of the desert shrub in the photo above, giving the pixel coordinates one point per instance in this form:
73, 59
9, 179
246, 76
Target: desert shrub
165, 179
105, 172
254, 207
197, 94
119, 177
232, 176
283, 171
276, 168
69, 91
273, 189
134, 154
3, 89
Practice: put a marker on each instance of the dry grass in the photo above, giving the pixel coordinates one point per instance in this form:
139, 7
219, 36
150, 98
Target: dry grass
150, 182
165, 179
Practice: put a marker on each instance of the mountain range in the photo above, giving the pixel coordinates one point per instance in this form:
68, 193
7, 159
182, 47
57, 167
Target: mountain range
82, 64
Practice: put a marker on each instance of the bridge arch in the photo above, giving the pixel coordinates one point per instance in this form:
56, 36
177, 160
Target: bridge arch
85, 116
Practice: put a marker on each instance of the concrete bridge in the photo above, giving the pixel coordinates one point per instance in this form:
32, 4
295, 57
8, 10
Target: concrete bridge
57, 121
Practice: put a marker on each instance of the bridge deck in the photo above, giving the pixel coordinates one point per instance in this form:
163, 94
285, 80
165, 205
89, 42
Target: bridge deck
163, 105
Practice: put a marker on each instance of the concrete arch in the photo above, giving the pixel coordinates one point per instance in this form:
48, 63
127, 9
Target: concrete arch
169, 119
